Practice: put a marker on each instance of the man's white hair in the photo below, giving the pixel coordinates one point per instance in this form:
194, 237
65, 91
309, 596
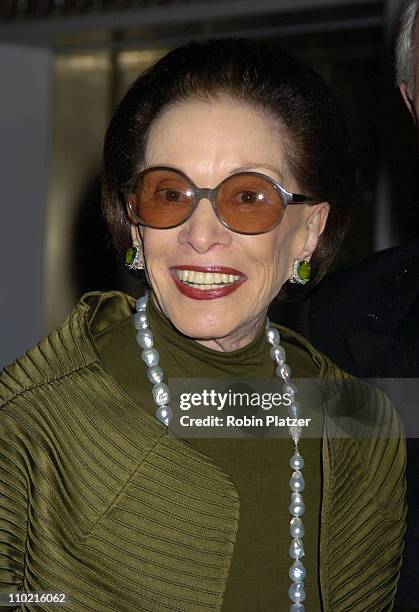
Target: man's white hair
405, 45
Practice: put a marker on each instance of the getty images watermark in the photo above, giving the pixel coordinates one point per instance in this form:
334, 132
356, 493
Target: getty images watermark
222, 401
234, 408
213, 408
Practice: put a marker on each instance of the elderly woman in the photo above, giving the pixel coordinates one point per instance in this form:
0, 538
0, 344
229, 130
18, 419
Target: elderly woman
227, 173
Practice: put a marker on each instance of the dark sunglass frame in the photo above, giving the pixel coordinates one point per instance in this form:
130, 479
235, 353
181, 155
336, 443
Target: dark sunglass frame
210, 193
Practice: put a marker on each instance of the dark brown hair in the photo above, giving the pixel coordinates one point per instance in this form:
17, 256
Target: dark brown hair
270, 80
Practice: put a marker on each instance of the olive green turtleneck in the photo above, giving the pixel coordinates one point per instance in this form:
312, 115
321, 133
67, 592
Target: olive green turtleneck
259, 468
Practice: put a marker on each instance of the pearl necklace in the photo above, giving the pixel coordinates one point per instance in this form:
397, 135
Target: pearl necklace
161, 395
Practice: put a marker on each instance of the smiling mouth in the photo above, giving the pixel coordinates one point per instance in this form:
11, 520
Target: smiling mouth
207, 282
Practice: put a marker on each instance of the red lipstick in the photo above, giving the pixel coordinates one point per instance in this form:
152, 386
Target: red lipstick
220, 269
207, 294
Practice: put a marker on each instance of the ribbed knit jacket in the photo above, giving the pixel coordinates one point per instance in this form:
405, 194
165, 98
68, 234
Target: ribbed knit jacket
99, 503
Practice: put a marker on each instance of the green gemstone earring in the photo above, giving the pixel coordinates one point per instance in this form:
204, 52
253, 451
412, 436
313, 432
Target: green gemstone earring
134, 258
301, 271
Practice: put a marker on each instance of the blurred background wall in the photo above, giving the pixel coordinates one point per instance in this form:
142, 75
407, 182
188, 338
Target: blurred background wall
65, 64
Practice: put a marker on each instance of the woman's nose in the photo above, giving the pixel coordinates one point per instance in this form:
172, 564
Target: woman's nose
204, 230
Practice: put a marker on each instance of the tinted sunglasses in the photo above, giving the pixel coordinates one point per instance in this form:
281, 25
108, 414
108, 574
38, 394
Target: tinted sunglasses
246, 202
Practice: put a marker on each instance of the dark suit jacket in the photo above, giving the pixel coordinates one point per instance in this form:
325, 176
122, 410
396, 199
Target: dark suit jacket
366, 319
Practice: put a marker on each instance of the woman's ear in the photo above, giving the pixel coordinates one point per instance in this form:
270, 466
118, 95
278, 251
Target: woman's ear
136, 236
314, 224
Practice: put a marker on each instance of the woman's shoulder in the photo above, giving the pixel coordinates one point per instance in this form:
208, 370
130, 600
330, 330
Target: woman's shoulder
67, 349
60, 385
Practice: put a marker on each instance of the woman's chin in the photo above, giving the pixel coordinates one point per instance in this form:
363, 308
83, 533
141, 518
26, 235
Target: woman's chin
204, 320
201, 327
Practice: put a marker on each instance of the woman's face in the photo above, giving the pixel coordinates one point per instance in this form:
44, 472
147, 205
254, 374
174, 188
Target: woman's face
209, 141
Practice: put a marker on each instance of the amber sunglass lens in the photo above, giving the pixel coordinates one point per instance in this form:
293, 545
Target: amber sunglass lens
164, 199
249, 204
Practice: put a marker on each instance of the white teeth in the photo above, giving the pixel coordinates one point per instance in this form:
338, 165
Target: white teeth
204, 287
205, 280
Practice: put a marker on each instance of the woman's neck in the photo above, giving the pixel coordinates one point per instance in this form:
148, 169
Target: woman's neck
237, 339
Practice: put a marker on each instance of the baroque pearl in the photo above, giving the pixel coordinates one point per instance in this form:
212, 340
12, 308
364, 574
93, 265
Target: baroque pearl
296, 527
290, 389
297, 483
297, 607
272, 335
164, 414
296, 592
155, 374
161, 393
297, 508
294, 410
150, 357
297, 462
283, 371
296, 549
141, 303
140, 320
145, 338
297, 572
278, 354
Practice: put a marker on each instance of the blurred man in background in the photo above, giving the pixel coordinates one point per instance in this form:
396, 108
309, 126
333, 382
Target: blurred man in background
372, 312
